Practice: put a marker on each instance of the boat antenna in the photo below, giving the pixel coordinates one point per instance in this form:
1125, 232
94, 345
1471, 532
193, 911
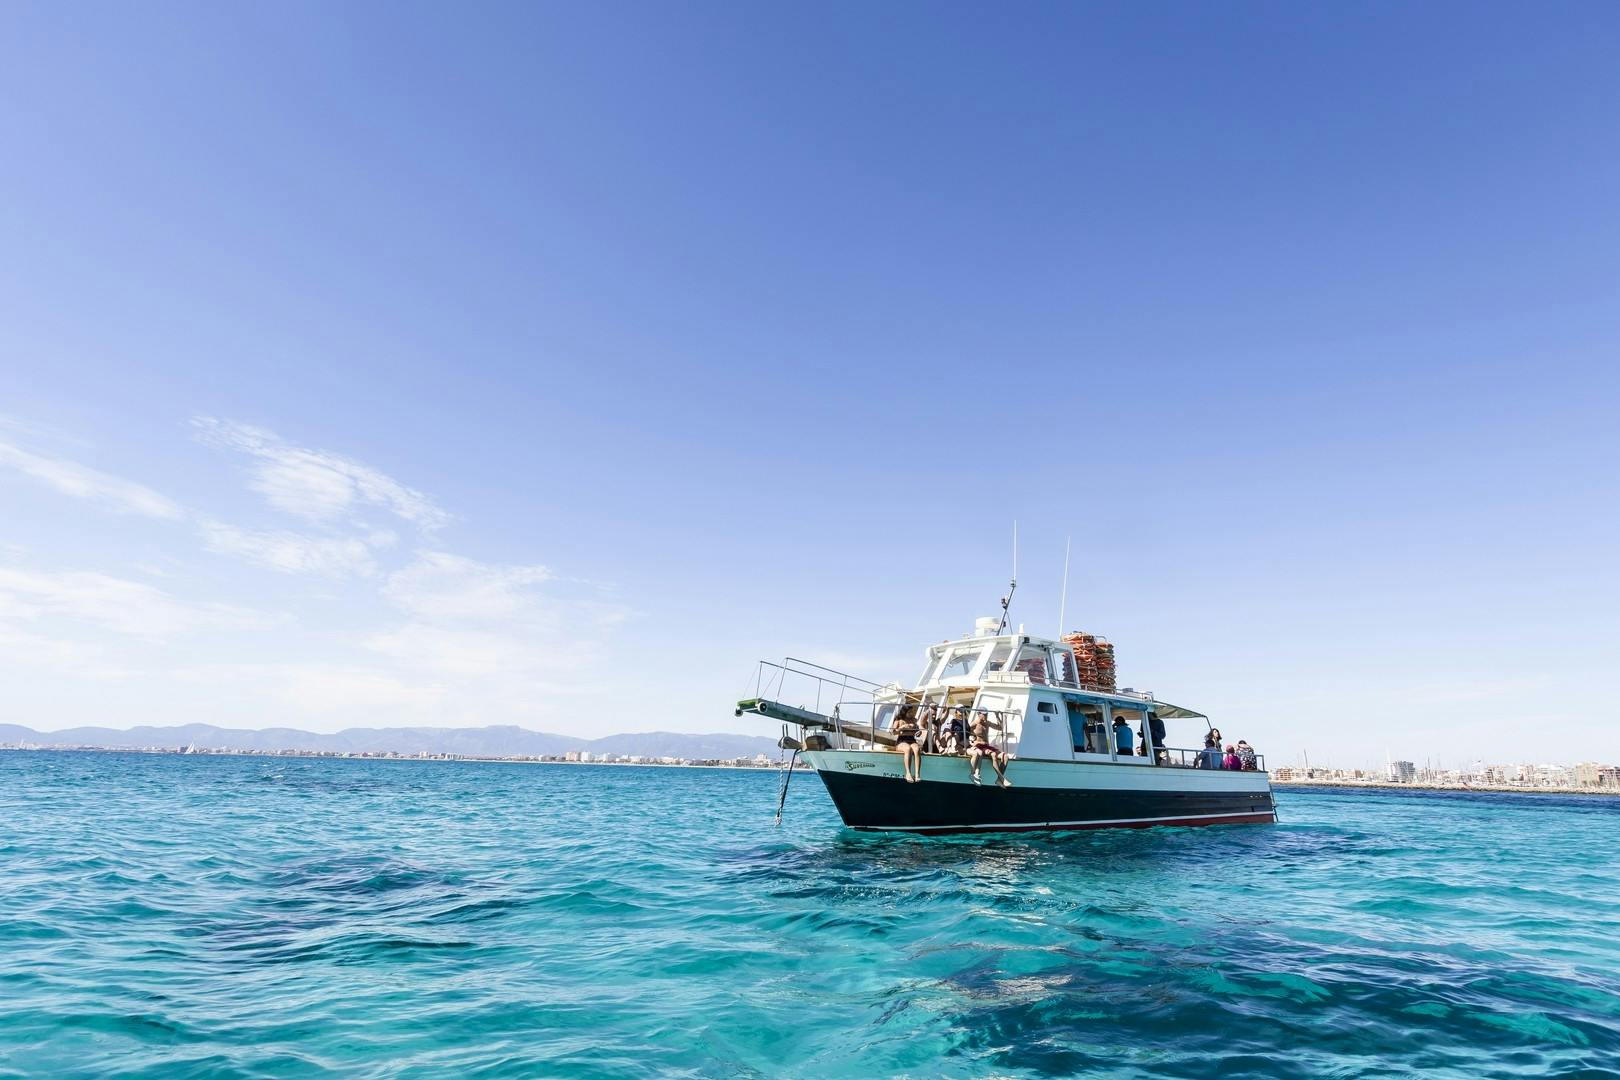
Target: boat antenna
1012, 587
1063, 601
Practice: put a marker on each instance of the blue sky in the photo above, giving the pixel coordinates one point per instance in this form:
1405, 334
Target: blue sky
549, 364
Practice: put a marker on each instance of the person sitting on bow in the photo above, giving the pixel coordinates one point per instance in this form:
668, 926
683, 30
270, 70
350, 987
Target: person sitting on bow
980, 746
953, 732
905, 731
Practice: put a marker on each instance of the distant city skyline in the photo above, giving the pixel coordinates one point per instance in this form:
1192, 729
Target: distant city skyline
395, 368
496, 741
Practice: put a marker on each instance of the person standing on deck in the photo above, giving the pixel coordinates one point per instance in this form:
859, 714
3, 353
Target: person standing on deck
1122, 736
979, 746
1246, 757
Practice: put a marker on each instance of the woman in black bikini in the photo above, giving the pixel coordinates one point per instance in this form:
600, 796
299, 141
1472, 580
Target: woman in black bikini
906, 729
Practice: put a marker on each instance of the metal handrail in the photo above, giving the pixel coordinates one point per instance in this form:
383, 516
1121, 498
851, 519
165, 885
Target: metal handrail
793, 667
1002, 732
1186, 758
833, 671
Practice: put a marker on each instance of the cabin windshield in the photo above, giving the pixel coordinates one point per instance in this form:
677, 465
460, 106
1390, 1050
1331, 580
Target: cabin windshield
1032, 660
961, 661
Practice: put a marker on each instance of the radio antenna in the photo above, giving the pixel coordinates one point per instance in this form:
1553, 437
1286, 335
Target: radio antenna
1006, 601
1063, 602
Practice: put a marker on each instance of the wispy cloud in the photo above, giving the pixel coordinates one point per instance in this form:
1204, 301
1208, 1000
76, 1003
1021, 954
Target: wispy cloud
110, 603
317, 485
83, 482
443, 585
343, 691
517, 628
297, 553
461, 640
460, 652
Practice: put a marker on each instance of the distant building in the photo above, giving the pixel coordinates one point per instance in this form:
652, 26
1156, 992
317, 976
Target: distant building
572, 755
1591, 774
1401, 772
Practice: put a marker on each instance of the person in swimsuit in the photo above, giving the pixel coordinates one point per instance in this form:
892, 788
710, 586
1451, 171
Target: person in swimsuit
931, 720
906, 730
980, 746
934, 729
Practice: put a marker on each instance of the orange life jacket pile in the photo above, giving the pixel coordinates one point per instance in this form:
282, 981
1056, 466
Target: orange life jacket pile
1095, 657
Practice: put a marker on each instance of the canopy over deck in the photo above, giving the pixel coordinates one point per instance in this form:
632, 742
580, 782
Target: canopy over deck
1168, 711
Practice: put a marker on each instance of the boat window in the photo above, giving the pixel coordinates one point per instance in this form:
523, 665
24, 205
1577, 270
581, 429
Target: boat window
1032, 661
1063, 666
961, 661
883, 718
999, 656
1086, 729
932, 669
1047, 707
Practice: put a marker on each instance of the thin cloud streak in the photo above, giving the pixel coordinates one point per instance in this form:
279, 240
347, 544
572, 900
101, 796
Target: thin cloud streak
316, 484
131, 608
297, 553
428, 635
82, 482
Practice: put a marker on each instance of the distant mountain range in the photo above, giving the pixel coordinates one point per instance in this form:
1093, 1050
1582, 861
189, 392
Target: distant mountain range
494, 741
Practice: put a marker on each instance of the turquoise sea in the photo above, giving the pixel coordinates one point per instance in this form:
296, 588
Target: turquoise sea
172, 916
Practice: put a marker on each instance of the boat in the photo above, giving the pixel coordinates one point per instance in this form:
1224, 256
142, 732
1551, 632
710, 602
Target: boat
1056, 724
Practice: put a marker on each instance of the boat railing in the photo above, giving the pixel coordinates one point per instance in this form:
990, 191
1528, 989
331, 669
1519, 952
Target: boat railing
809, 686
1180, 758
857, 720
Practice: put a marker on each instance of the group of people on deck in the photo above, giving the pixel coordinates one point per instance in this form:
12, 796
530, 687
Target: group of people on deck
957, 729
1238, 756
943, 729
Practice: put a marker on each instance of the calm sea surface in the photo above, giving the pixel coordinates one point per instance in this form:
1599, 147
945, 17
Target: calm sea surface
207, 916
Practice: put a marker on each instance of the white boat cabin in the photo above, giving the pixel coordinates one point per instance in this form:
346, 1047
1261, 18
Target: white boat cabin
1028, 685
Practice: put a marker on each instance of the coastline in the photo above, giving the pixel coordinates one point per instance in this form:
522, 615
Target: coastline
720, 763
1487, 789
